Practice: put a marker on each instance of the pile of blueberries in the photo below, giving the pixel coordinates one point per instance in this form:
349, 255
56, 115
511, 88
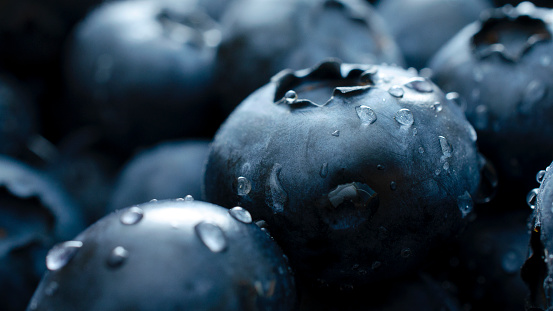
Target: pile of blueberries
276, 155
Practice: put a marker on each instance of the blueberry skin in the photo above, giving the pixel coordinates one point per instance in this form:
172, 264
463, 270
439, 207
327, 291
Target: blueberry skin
169, 255
35, 213
502, 67
263, 38
413, 24
168, 170
345, 173
142, 71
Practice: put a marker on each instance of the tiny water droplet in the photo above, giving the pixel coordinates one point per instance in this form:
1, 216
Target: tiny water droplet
61, 254
153, 200
446, 166
406, 252
241, 214
456, 99
366, 114
446, 147
415, 131
396, 91
437, 106
117, 257
532, 197
336, 133
324, 170
376, 265
404, 117
290, 97
380, 167
511, 263
540, 175
437, 172
244, 186
51, 288
179, 199
132, 216
212, 236
465, 203
472, 133
421, 85
421, 150
276, 196
189, 198
393, 185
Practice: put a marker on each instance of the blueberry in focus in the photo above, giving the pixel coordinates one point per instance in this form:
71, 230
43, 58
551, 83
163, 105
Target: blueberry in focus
265, 37
35, 213
168, 170
502, 69
421, 27
142, 71
360, 166
168, 255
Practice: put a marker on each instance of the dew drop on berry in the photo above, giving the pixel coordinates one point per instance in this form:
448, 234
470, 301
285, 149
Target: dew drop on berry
532, 197
446, 147
511, 262
61, 254
465, 203
117, 257
211, 236
324, 170
336, 133
393, 185
396, 91
240, 214
276, 194
540, 175
437, 106
132, 216
290, 97
366, 114
380, 167
404, 117
421, 150
244, 186
421, 85
189, 198
446, 166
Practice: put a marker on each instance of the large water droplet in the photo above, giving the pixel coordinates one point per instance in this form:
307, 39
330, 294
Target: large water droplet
276, 196
241, 214
406, 252
511, 262
533, 94
324, 170
132, 216
393, 185
446, 147
61, 254
465, 203
117, 257
212, 236
244, 186
421, 85
189, 198
540, 175
366, 114
396, 91
532, 197
336, 133
404, 117
290, 97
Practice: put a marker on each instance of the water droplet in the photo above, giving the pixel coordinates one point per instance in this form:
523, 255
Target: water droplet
511, 263
404, 117
437, 172
241, 214
380, 167
366, 114
117, 257
336, 133
376, 265
406, 252
421, 85
456, 99
396, 91
481, 118
153, 200
276, 196
446, 147
179, 199
244, 186
532, 197
61, 254
393, 185
324, 170
437, 106
540, 175
465, 204
446, 166
472, 133
189, 198
51, 288
533, 94
212, 236
415, 131
132, 216
421, 150
290, 97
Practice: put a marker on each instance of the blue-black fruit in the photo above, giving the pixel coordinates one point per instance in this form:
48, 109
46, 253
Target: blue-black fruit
168, 255
35, 213
502, 68
357, 169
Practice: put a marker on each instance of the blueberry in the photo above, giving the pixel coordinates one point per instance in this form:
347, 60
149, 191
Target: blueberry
263, 38
142, 71
501, 67
414, 24
349, 165
168, 255
168, 170
34, 213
